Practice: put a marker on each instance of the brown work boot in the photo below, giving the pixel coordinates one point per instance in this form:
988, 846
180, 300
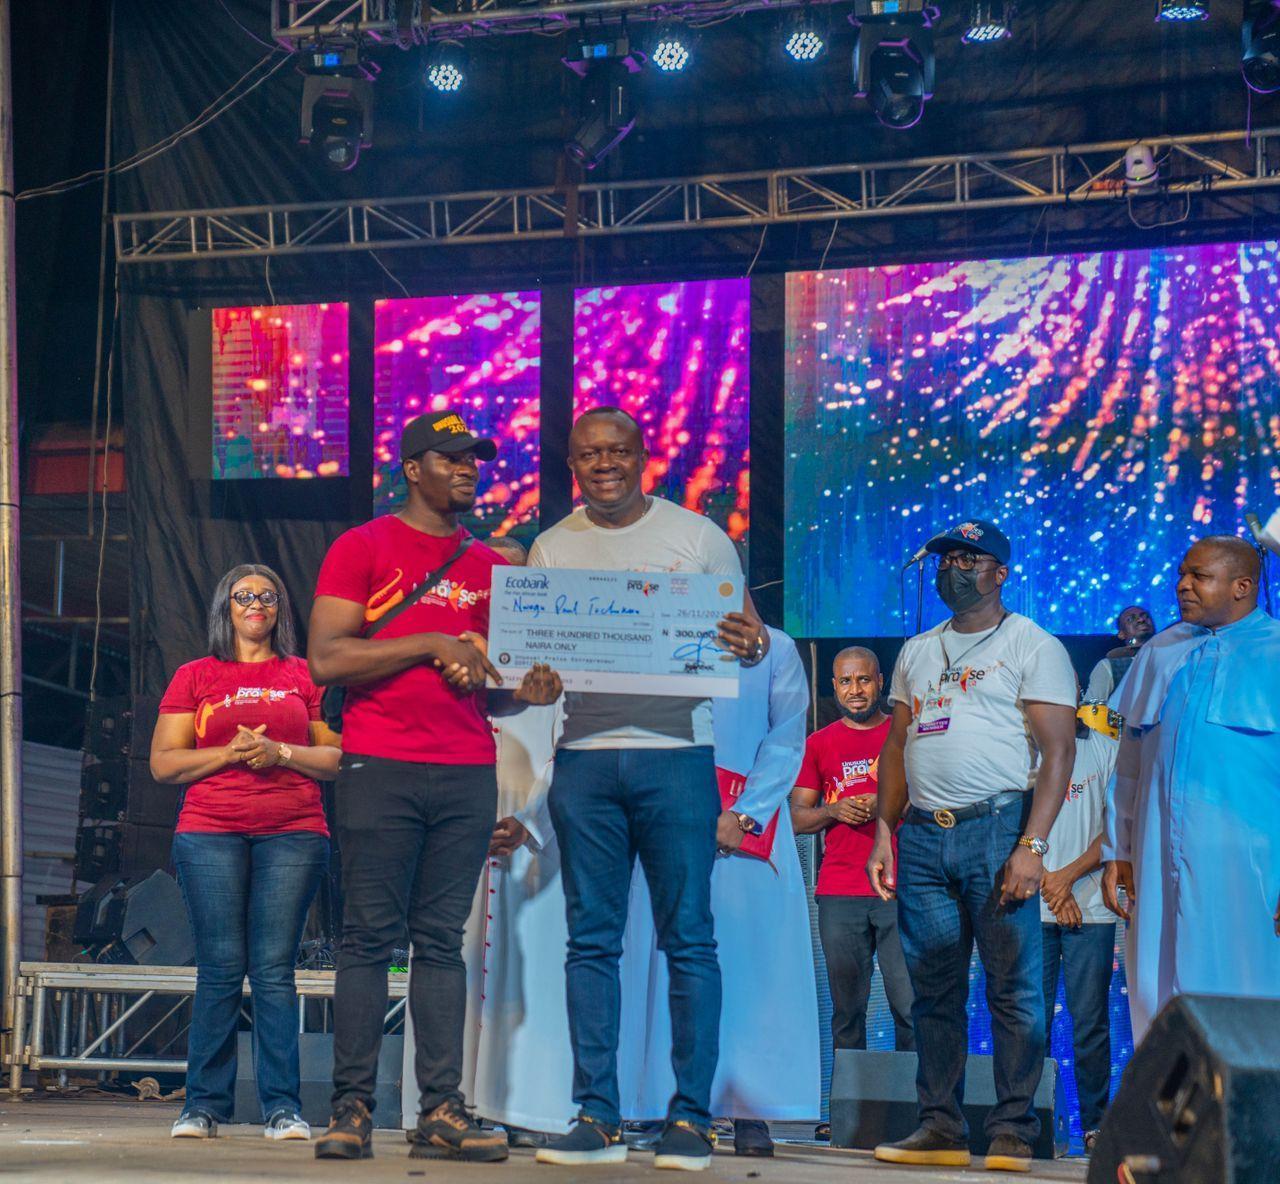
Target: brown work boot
350, 1133
449, 1132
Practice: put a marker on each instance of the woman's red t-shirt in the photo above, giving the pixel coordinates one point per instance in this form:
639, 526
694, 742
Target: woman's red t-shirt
240, 800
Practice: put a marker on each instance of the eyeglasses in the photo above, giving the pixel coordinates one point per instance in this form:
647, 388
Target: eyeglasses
964, 560
244, 598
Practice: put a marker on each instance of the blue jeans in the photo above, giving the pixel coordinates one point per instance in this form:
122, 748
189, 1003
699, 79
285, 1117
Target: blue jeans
1086, 956
948, 895
247, 897
608, 806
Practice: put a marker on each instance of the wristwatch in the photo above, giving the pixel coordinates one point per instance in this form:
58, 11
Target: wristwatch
284, 754
1039, 846
757, 655
748, 825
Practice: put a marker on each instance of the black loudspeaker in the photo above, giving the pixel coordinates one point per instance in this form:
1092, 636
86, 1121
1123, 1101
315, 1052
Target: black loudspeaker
141, 919
1200, 1100
97, 852
121, 727
120, 790
874, 1100
315, 1063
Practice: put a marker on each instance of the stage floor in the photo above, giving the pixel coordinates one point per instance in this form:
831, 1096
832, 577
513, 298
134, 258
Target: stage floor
67, 1140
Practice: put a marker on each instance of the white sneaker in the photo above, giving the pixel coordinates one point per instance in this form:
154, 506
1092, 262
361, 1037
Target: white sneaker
284, 1124
194, 1125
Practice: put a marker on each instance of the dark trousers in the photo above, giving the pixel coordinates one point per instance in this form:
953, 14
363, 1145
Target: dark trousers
1086, 957
854, 931
948, 895
608, 806
247, 897
413, 840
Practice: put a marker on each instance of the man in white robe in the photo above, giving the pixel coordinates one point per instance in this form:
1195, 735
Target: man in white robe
769, 1058
1193, 817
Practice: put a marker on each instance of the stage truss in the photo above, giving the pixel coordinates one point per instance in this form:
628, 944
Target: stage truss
84, 1013
1196, 167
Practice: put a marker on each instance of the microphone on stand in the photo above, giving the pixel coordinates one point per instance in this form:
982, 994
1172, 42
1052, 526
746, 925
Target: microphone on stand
918, 557
1265, 536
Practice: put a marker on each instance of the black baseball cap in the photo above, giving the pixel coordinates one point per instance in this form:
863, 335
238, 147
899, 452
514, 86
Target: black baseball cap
973, 534
443, 431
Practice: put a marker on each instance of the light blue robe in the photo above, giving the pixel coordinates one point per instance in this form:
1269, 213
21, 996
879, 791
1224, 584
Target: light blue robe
1195, 806
769, 1063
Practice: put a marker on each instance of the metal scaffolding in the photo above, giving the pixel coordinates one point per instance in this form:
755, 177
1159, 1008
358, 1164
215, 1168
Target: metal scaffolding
1196, 166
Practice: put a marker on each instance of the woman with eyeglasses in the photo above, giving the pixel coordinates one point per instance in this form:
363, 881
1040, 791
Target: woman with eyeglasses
241, 729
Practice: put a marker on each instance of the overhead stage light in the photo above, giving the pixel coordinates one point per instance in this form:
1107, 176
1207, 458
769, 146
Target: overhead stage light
605, 64
806, 36
671, 48
337, 107
1182, 10
446, 67
989, 20
1261, 36
893, 68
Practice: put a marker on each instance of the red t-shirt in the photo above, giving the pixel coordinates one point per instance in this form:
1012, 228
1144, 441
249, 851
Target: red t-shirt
241, 800
414, 715
841, 762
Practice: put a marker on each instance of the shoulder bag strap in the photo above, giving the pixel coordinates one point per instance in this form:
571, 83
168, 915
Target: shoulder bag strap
421, 590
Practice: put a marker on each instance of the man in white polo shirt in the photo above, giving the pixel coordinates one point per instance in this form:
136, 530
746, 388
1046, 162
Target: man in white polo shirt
635, 775
981, 746
1079, 931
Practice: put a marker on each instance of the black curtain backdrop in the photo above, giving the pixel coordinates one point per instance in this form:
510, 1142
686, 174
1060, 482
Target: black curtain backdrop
1077, 71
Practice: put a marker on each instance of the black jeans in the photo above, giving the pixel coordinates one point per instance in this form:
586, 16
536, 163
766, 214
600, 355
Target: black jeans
413, 840
854, 930
1086, 956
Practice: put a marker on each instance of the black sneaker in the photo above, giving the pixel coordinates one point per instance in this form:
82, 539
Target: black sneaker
822, 1133
926, 1147
350, 1133
518, 1136
449, 1132
1008, 1153
684, 1147
751, 1138
589, 1142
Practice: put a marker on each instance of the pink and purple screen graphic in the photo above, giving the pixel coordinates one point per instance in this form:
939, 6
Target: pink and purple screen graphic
677, 357
478, 355
280, 391
1105, 410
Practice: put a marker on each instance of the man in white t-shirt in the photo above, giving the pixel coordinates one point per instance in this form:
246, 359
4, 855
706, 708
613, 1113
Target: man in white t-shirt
1079, 931
635, 775
981, 746
1134, 628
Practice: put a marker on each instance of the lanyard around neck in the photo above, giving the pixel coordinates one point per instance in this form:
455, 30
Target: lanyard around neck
948, 663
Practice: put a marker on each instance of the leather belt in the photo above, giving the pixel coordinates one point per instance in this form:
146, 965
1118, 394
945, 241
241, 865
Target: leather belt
948, 818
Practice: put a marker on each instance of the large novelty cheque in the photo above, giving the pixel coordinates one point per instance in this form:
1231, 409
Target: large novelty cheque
615, 631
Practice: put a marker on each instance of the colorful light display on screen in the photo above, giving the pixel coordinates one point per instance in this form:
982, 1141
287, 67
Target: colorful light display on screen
478, 355
1104, 409
280, 391
677, 358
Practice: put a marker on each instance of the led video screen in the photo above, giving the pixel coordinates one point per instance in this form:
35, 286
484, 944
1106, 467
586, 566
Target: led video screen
280, 391
478, 355
676, 357
1105, 410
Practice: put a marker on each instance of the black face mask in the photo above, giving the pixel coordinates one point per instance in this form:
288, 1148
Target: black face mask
958, 589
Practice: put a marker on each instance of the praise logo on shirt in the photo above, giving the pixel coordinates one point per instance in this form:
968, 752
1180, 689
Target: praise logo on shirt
1075, 790
968, 678
456, 595
256, 695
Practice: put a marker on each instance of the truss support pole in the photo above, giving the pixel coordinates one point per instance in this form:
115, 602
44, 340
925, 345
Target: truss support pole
10, 589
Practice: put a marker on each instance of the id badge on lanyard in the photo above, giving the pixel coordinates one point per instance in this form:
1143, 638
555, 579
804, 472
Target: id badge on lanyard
935, 715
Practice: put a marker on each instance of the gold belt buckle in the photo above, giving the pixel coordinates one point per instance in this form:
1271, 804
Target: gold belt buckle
944, 818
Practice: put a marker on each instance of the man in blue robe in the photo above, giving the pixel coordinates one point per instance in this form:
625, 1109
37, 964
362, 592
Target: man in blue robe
1193, 817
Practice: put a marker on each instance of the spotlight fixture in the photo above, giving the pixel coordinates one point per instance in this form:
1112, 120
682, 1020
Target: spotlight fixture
446, 67
989, 20
608, 114
1182, 10
806, 39
893, 67
671, 48
337, 107
1141, 171
1260, 33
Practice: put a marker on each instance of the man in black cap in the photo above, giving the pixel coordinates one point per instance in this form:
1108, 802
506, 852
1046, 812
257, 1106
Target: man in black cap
416, 794
976, 766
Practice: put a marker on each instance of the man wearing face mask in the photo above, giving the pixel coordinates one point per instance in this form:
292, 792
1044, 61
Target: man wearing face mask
976, 765
1134, 628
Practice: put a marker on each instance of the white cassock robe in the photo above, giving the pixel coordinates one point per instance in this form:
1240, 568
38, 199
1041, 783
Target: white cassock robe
769, 1058
517, 1064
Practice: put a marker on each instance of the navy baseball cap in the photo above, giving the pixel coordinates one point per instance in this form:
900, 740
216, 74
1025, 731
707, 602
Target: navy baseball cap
443, 431
974, 534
